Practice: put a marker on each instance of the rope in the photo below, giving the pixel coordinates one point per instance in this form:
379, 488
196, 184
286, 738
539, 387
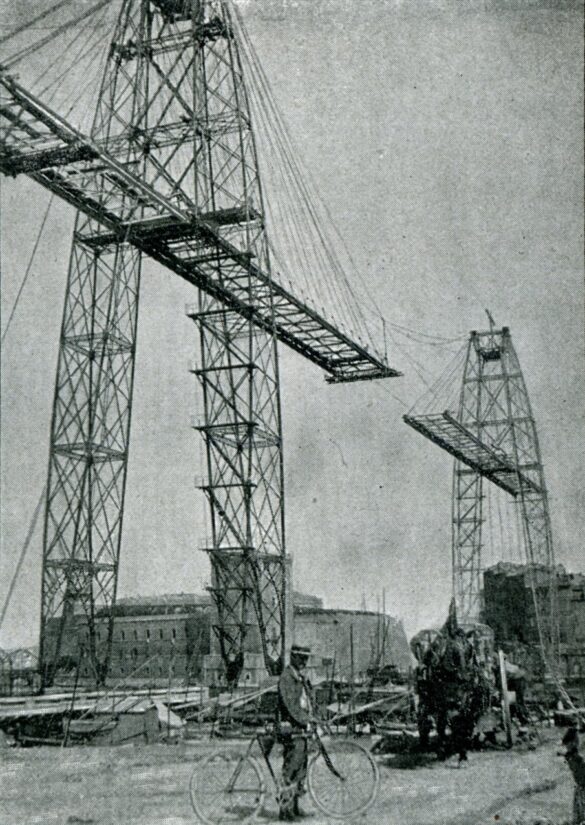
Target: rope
76, 60
417, 366
45, 216
84, 97
309, 197
445, 380
426, 338
285, 167
384, 387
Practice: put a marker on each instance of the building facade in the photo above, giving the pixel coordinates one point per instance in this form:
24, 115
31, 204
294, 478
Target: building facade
156, 639
509, 611
170, 638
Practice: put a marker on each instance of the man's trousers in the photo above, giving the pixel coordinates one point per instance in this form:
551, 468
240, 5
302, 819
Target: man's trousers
294, 771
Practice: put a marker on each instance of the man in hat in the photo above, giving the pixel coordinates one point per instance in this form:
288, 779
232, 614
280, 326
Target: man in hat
295, 719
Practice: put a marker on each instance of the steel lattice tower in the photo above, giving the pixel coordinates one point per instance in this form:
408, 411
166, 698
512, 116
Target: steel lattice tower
174, 98
238, 373
495, 409
170, 171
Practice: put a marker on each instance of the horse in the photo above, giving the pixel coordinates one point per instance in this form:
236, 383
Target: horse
452, 689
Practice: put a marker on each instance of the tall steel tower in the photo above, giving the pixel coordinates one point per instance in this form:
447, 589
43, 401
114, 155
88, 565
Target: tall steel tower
169, 170
495, 407
493, 438
239, 370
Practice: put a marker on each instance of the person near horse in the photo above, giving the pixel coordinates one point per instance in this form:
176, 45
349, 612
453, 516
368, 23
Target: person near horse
424, 690
295, 720
576, 765
457, 684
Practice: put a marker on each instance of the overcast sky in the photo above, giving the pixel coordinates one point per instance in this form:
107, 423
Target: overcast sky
447, 140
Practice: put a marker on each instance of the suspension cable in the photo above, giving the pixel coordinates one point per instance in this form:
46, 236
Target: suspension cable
25, 547
28, 50
29, 267
35, 20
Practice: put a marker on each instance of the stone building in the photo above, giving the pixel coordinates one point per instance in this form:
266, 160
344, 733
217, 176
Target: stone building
166, 637
377, 641
572, 626
509, 611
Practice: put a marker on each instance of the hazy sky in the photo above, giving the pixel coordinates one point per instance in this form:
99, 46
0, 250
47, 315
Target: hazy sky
447, 140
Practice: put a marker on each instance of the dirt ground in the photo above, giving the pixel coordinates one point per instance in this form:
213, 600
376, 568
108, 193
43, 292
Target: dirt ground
148, 785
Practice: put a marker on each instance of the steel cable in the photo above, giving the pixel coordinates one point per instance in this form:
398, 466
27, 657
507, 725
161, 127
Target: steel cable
35, 20
25, 547
33, 47
29, 267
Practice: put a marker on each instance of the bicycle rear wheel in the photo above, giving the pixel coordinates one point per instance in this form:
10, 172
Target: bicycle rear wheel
226, 788
345, 782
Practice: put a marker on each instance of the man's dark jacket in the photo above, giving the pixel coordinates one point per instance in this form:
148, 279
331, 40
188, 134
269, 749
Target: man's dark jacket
291, 687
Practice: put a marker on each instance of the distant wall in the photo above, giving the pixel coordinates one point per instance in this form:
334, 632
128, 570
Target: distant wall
377, 640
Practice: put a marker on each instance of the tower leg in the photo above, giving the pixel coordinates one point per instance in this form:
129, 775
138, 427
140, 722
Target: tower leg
468, 497
88, 455
242, 432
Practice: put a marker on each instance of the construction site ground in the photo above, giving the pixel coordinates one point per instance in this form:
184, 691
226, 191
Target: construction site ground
148, 785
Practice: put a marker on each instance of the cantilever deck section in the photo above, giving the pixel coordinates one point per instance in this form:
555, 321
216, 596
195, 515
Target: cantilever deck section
37, 142
445, 431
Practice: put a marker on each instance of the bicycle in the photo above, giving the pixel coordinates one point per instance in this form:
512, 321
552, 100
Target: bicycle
342, 780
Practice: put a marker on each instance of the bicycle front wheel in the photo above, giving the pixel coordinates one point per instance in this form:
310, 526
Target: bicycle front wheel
343, 780
226, 788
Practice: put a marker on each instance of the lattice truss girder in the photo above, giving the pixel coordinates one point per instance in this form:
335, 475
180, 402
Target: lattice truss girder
242, 415
239, 377
92, 408
236, 578
172, 97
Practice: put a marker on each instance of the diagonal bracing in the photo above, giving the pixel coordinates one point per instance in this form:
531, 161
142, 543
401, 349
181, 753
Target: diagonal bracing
170, 170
